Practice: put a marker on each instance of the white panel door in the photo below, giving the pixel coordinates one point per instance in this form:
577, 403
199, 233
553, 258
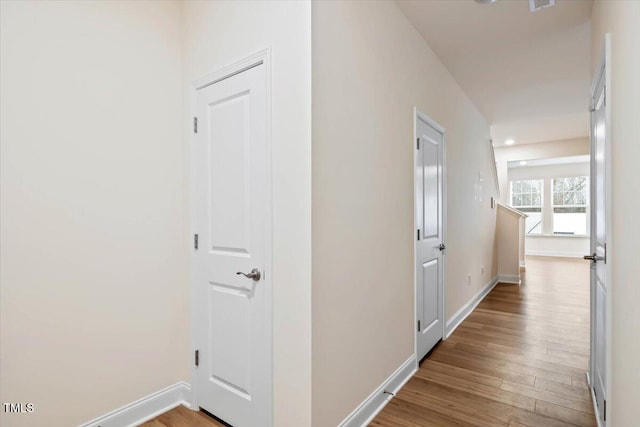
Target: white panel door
231, 196
429, 235
599, 285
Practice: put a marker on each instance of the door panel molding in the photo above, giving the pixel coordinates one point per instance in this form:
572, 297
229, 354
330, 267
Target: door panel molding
600, 295
432, 136
233, 249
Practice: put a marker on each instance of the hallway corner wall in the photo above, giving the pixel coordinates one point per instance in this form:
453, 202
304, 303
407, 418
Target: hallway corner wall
370, 69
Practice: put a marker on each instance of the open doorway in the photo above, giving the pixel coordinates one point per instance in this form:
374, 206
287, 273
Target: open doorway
554, 194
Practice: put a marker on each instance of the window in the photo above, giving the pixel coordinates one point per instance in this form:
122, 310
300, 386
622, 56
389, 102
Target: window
570, 205
526, 196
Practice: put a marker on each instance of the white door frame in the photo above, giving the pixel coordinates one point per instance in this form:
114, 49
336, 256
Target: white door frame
262, 57
603, 68
417, 114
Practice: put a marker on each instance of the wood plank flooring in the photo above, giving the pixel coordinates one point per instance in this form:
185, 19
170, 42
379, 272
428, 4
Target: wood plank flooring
183, 417
519, 360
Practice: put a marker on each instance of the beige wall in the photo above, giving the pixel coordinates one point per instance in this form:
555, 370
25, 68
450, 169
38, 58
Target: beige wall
95, 200
370, 68
540, 150
94, 272
622, 20
218, 34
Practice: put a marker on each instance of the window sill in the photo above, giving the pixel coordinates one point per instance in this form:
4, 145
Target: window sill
570, 236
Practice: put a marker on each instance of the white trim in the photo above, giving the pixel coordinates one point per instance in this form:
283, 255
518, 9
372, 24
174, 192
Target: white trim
609, 223
237, 67
593, 401
145, 409
555, 254
417, 114
459, 316
429, 121
495, 169
415, 242
261, 57
193, 300
512, 279
562, 236
372, 405
444, 230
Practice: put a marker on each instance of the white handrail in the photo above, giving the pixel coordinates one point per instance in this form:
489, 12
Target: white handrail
513, 210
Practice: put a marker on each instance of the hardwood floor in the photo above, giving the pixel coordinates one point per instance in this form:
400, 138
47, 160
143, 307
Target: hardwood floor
183, 417
518, 360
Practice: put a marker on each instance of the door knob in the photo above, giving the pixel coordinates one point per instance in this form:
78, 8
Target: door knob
442, 247
253, 275
593, 257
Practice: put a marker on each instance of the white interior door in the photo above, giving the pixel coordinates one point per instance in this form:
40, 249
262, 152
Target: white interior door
598, 256
429, 234
233, 330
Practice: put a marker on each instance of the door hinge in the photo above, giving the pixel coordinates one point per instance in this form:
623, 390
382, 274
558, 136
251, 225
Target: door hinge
418, 233
197, 357
418, 326
604, 412
195, 125
195, 241
417, 143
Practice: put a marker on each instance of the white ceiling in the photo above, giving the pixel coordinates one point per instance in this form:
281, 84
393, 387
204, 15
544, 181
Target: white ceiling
527, 72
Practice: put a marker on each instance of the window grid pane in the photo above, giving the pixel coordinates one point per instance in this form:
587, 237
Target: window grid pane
526, 193
570, 205
527, 197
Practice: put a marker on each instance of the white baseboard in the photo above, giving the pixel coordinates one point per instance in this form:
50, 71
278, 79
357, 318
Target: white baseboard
555, 254
372, 405
509, 278
145, 409
455, 320
593, 401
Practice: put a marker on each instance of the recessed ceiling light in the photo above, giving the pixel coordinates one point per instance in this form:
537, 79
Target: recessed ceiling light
509, 142
523, 163
535, 5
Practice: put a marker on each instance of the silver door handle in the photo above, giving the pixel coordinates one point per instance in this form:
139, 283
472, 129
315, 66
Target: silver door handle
442, 247
594, 257
254, 275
